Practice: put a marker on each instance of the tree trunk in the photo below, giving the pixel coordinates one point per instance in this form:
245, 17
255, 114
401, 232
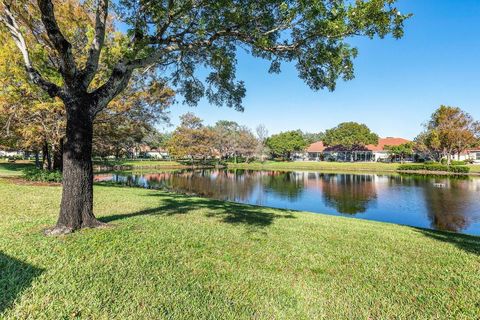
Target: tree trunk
47, 160
76, 209
37, 160
58, 156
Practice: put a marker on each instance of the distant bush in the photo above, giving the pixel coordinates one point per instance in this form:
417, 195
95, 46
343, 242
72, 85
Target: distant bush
459, 169
42, 175
457, 163
434, 167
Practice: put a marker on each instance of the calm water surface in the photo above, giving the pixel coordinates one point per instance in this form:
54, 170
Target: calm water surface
442, 203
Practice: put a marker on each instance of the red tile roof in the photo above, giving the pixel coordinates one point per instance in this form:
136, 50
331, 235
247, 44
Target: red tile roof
389, 141
316, 147
382, 142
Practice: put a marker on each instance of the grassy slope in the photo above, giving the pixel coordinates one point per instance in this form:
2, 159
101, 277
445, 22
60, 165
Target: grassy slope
175, 257
475, 168
330, 166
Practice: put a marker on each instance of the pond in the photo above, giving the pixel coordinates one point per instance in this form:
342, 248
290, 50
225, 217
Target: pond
441, 203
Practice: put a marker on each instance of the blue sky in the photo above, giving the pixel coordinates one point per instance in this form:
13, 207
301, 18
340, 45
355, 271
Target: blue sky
397, 85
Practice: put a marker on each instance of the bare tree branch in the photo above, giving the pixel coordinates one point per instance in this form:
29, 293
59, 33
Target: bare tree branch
11, 23
91, 66
61, 44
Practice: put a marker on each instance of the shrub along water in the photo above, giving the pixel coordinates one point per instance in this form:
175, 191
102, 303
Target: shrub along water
434, 167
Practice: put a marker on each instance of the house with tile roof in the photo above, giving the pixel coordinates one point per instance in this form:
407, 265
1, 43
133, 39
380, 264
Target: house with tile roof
148, 152
317, 151
472, 155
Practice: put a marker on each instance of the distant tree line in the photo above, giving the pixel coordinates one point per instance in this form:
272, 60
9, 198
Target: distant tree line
129, 126
449, 132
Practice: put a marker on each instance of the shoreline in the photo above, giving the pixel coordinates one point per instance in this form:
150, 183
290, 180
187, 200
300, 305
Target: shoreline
364, 167
331, 167
346, 169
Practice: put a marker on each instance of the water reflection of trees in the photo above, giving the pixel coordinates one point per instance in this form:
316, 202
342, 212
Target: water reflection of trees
349, 193
450, 204
218, 184
236, 185
288, 185
449, 201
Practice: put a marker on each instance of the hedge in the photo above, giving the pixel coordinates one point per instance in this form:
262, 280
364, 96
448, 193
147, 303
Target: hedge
434, 167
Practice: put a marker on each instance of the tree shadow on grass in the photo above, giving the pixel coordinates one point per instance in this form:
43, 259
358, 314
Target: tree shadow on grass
14, 167
228, 212
464, 242
15, 277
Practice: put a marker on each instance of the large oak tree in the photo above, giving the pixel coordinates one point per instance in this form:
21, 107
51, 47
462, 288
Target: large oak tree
350, 135
191, 139
232, 140
449, 131
284, 144
174, 37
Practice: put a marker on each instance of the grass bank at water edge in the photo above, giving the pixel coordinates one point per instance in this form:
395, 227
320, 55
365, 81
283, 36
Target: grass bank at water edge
329, 166
169, 256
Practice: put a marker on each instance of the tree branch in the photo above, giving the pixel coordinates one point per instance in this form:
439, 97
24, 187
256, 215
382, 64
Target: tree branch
118, 81
88, 73
64, 48
12, 25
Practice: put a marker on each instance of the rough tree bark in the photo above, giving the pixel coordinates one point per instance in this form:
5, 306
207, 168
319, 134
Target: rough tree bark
37, 160
76, 210
57, 152
46, 159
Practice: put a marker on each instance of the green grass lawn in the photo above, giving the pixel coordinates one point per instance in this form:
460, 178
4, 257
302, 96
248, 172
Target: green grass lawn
475, 168
169, 256
322, 165
13, 169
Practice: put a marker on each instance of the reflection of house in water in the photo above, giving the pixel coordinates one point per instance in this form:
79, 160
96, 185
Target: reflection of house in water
103, 177
474, 185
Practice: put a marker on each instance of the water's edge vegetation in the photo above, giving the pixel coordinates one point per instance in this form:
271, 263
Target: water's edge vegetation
296, 165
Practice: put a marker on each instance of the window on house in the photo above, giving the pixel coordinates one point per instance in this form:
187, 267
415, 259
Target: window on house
478, 155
